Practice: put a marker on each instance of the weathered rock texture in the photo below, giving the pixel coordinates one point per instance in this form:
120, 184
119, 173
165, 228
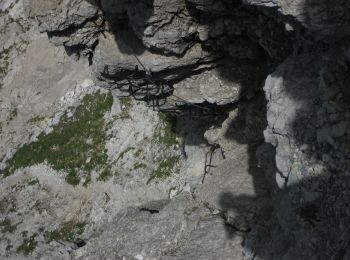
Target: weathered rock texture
256, 90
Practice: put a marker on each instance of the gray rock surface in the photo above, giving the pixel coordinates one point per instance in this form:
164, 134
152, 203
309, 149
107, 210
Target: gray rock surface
307, 123
249, 158
164, 25
222, 85
171, 233
114, 60
73, 24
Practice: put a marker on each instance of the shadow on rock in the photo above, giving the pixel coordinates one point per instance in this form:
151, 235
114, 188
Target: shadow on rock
307, 119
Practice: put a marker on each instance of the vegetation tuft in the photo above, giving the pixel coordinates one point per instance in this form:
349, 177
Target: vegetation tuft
76, 144
6, 226
69, 231
28, 245
121, 156
164, 169
126, 104
105, 175
33, 182
164, 134
139, 165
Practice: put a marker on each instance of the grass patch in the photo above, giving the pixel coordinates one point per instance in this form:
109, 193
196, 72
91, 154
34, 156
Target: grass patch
105, 175
72, 178
164, 133
29, 244
138, 153
36, 119
66, 147
164, 169
33, 182
69, 231
87, 179
126, 105
4, 63
121, 156
13, 113
6, 226
139, 165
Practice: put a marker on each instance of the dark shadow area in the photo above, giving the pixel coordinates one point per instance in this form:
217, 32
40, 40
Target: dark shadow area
259, 44
116, 22
311, 211
316, 87
251, 65
247, 129
309, 216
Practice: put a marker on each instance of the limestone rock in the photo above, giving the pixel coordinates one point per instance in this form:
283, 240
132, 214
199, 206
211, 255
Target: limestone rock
115, 61
225, 84
318, 16
309, 134
163, 25
178, 230
222, 173
68, 23
59, 15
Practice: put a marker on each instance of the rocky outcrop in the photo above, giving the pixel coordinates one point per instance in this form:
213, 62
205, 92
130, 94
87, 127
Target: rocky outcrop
166, 26
249, 161
176, 230
115, 60
73, 24
308, 122
165, 38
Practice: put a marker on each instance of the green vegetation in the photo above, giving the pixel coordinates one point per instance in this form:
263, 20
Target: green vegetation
164, 169
72, 178
4, 63
87, 180
6, 226
28, 245
138, 153
36, 119
69, 231
105, 175
13, 113
164, 134
3, 68
76, 144
121, 156
126, 104
5, 55
33, 181
139, 165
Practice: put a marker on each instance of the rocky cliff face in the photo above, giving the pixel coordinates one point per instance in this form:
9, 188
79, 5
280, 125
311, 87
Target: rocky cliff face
185, 129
